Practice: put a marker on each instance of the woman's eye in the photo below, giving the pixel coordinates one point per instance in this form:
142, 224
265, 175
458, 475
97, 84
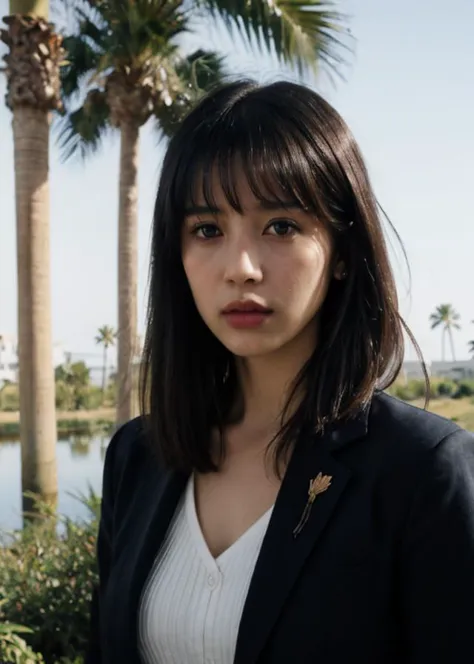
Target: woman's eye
283, 228
206, 231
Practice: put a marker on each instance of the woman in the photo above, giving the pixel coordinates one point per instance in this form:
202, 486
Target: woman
272, 505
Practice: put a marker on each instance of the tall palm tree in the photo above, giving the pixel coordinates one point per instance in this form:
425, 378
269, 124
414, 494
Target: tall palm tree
447, 317
105, 337
125, 53
33, 92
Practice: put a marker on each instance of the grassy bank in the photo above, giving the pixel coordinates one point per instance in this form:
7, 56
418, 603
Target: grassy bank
458, 410
77, 422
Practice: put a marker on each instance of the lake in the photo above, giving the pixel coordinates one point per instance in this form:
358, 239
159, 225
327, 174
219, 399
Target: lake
80, 460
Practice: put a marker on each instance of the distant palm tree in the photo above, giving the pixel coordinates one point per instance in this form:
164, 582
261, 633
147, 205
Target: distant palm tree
446, 316
471, 345
106, 337
124, 57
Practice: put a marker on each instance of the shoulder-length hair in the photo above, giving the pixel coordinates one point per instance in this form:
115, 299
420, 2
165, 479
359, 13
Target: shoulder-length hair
290, 142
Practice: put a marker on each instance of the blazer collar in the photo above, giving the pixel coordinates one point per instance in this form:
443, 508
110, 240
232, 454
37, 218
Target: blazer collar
349, 431
282, 555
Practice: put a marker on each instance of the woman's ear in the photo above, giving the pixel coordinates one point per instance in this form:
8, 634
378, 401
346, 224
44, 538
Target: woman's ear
340, 272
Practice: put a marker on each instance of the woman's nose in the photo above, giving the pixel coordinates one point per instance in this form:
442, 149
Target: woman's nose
243, 265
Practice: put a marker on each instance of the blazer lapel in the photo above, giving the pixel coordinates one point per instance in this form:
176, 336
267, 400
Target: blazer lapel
283, 555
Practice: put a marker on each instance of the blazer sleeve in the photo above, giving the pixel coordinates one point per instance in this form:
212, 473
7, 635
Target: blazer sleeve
437, 562
104, 549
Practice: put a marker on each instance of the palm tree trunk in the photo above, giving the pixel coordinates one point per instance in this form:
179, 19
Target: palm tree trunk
36, 374
127, 270
451, 343
443, 344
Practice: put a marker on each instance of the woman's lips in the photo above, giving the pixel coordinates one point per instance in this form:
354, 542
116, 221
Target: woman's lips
246, 319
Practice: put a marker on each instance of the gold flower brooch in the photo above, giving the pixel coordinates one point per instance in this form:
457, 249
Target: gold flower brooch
320, 484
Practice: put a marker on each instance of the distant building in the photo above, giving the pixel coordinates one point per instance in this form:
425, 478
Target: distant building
413, 370
9, 358
461, 370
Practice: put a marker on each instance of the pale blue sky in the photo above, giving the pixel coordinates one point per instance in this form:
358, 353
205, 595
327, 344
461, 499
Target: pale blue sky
409, 99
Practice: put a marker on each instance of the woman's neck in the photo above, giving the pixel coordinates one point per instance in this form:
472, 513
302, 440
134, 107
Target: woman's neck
266, 382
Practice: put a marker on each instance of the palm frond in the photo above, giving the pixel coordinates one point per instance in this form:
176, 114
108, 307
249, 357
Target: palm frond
141, 26
81, 59
308, 34
303, 33
82, 131
197, 73
106, 335
202, 70
446, 315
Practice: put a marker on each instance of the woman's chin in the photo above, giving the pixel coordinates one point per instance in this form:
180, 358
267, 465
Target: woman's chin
247, 348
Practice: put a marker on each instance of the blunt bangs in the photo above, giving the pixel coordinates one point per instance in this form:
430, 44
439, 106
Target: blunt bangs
281, 161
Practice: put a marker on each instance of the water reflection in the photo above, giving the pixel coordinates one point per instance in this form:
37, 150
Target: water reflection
79, 445
80, 461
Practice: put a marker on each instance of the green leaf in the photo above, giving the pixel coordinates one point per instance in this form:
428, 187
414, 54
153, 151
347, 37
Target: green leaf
81, 59
198, 73
83, 130
8, 628
303, 33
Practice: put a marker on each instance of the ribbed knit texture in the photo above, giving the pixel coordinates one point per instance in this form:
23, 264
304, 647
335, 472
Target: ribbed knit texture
192, 603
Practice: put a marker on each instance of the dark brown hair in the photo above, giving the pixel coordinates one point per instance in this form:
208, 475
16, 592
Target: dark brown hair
289, 141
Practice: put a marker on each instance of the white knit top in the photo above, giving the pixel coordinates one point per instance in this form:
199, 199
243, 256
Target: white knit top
192, 603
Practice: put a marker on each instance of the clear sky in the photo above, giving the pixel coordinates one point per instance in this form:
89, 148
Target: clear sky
409, 99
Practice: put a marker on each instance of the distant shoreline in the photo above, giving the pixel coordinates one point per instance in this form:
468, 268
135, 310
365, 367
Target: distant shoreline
102, 420
68, 422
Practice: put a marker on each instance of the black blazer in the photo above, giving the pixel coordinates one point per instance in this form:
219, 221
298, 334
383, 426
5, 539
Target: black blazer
382, 573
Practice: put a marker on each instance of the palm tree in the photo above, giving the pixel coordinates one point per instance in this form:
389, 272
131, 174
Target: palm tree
105, 337
446, 316
33, 92
471, 345
126, 54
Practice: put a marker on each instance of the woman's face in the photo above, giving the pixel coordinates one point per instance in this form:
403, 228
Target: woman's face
258, 278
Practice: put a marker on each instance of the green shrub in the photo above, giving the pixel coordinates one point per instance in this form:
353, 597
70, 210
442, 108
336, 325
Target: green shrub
64, 396
15, 649
110, 397
413, 389
402, 392
465, 388
82, 397
88, 398
9, 398
445, 388
9, 429
47, 579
